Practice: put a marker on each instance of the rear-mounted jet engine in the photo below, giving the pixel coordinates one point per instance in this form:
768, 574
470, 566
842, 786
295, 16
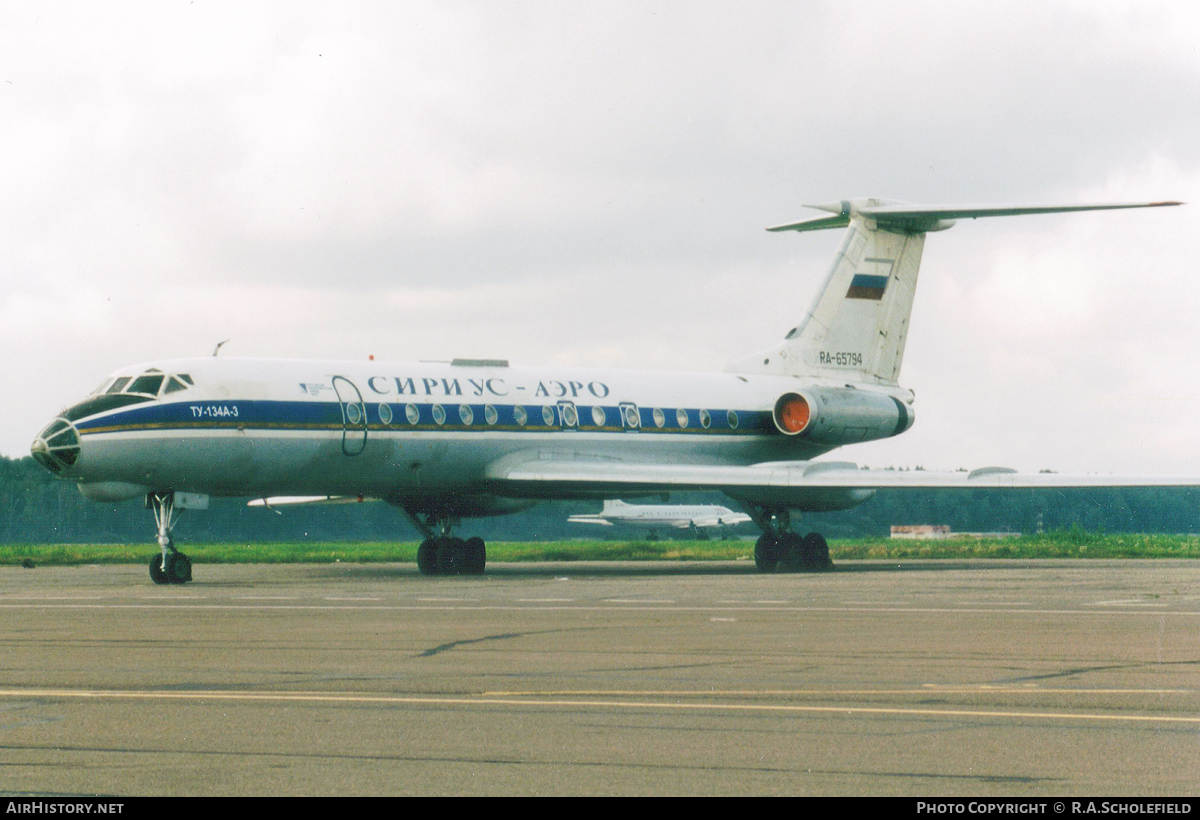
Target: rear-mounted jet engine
841, 415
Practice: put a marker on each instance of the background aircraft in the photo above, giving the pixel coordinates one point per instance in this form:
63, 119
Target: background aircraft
473, 437
694, 517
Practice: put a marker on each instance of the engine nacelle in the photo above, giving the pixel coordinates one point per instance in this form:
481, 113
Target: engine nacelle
841, 415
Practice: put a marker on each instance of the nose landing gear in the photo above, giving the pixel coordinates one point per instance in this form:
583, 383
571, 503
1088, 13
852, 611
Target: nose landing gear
172, 566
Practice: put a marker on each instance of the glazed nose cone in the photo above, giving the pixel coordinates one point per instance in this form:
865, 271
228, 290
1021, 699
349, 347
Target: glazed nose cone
57, 447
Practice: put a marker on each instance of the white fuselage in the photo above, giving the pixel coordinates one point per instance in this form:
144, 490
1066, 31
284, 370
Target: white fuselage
248, 427
683, 516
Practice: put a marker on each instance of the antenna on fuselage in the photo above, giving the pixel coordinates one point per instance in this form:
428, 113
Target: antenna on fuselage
217, 349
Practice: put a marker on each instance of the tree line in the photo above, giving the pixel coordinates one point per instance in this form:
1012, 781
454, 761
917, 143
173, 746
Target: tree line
35, 507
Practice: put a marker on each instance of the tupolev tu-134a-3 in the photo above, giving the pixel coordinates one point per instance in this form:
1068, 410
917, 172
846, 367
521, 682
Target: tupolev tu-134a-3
476, 437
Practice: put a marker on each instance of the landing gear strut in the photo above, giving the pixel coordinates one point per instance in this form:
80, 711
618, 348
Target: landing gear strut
172, 566
444, 555
781, 549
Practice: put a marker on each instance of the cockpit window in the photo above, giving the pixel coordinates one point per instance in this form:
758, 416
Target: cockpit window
118, 384
185, 378
147, 385
101, 403
174, 385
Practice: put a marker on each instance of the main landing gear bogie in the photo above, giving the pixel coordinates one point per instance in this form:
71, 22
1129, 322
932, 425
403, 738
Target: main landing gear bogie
444, 555
778, 548
789, 552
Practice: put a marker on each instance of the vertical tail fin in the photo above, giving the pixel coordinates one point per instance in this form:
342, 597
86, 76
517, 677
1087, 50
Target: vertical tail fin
858, 324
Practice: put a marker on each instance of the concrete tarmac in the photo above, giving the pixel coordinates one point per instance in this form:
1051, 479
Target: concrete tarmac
937, 678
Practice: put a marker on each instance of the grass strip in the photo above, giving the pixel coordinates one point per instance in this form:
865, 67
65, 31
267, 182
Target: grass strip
1071, 544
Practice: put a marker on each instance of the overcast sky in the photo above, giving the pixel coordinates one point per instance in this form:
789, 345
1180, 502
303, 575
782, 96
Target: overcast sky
587, 184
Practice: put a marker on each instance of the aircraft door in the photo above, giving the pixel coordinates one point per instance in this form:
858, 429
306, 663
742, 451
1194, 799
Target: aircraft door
354, 416
568, 416
631, 419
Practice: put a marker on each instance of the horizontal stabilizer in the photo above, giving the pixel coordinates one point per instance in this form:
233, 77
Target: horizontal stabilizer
903, 216
819, 223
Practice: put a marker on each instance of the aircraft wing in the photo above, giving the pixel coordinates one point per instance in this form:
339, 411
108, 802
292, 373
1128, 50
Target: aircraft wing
301, 500
800, 482
589, 519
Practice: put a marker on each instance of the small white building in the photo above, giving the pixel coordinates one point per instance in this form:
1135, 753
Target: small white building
930, 532
920, 531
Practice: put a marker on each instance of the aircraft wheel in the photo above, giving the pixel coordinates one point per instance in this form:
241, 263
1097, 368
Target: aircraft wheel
427, 560
181, 568
156, 570
814, 553
791, 558
475, 558
766, 553
451, 553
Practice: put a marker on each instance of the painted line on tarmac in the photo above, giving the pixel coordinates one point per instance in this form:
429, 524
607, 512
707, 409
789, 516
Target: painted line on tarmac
542, 701
55, 598
444, 604
171, 597
923, 689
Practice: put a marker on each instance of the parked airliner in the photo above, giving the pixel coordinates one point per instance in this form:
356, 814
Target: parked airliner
476, 437
694, 517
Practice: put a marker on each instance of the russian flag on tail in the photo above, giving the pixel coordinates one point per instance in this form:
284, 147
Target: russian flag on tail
866, 286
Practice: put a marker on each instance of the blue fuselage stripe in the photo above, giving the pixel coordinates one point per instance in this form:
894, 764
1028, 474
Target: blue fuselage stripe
311, 415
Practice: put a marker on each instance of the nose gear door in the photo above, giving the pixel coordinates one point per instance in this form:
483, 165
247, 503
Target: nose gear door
354, 416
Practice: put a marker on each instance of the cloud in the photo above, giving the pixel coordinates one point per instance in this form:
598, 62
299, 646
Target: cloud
574, 184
